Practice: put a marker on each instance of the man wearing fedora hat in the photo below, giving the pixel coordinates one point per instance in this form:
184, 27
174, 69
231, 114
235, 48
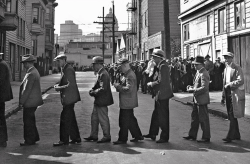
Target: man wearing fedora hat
103, 98
128, 100
163, 92
233, 95
69, 96
200, 90
5, 95
30, 97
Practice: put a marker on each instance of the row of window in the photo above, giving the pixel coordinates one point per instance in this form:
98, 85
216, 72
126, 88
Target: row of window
239, 19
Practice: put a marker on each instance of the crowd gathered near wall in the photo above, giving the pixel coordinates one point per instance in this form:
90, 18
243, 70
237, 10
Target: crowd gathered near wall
182, 73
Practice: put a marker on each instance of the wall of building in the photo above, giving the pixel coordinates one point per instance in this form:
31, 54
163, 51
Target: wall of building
20, 42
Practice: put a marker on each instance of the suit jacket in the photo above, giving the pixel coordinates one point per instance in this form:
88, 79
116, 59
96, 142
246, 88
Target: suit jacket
201, 87
30, 94
128, 98
161, 85
69, 95
5, 87
101, 90
237, 90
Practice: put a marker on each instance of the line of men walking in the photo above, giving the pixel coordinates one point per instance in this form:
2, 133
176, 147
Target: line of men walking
30, 99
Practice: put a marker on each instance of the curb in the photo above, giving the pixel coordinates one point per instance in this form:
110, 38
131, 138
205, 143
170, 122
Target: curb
15, 110
216, 112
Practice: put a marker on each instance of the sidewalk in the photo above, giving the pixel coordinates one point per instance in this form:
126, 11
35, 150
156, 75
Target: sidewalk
214, 106
46, 83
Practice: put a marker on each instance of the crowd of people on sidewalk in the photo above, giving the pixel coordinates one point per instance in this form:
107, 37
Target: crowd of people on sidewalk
158, 76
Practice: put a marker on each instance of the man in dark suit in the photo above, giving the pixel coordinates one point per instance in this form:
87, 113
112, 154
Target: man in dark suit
128, 100
30, 97
200, 90
103, 98
163, 92
5, 95
69, 96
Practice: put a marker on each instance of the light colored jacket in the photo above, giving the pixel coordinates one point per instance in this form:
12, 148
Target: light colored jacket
201, 87
237, 90
30, 94
128, 98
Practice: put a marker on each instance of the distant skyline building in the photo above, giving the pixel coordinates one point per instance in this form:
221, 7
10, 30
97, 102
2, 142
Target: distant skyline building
69, 31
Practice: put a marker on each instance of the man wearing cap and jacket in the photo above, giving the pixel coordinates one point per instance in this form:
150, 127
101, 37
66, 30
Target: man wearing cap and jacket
69, 96
5, 95
30, 97
209, 66
128, 100
201, 99
163, 92
233, 95
103, 98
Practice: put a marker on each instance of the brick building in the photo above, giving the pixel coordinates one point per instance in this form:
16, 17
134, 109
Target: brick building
147, 28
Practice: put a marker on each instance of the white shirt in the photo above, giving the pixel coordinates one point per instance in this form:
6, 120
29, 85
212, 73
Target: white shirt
228, 73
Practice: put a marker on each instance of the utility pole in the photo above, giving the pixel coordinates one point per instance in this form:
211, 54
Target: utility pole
167, 48
103, 45
113, 34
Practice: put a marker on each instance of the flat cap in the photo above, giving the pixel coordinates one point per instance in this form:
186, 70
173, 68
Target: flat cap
158, 53
28, 58
228, 54
60, 56
207, 56
122, 61
97, 60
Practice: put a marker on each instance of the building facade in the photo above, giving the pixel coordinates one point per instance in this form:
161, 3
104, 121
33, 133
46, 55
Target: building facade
212, 27
82, 53
69, 31
17, 40
49, 35
147, 28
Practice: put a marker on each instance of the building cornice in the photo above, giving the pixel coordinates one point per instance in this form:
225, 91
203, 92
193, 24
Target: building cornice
195, 8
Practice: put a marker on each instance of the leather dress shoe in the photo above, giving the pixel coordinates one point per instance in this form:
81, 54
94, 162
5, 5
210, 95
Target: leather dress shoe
137, 139
91, 139
161, 141
203, 140
27, 144
60, 143
103, 140
153, 137
77, 141
3, 144
119, 142
189, 138
227, 140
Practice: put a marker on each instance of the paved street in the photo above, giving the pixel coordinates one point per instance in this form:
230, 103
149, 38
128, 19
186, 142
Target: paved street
146, 152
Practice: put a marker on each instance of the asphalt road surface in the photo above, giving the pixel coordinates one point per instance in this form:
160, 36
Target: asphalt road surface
177, 151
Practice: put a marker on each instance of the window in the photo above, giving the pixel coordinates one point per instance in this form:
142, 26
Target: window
35, 15
240, 17
222, 20
47, 13
42, 18
208, 24
34, 47
186, 32
145, 22
8, 5
48, 35
23, 30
